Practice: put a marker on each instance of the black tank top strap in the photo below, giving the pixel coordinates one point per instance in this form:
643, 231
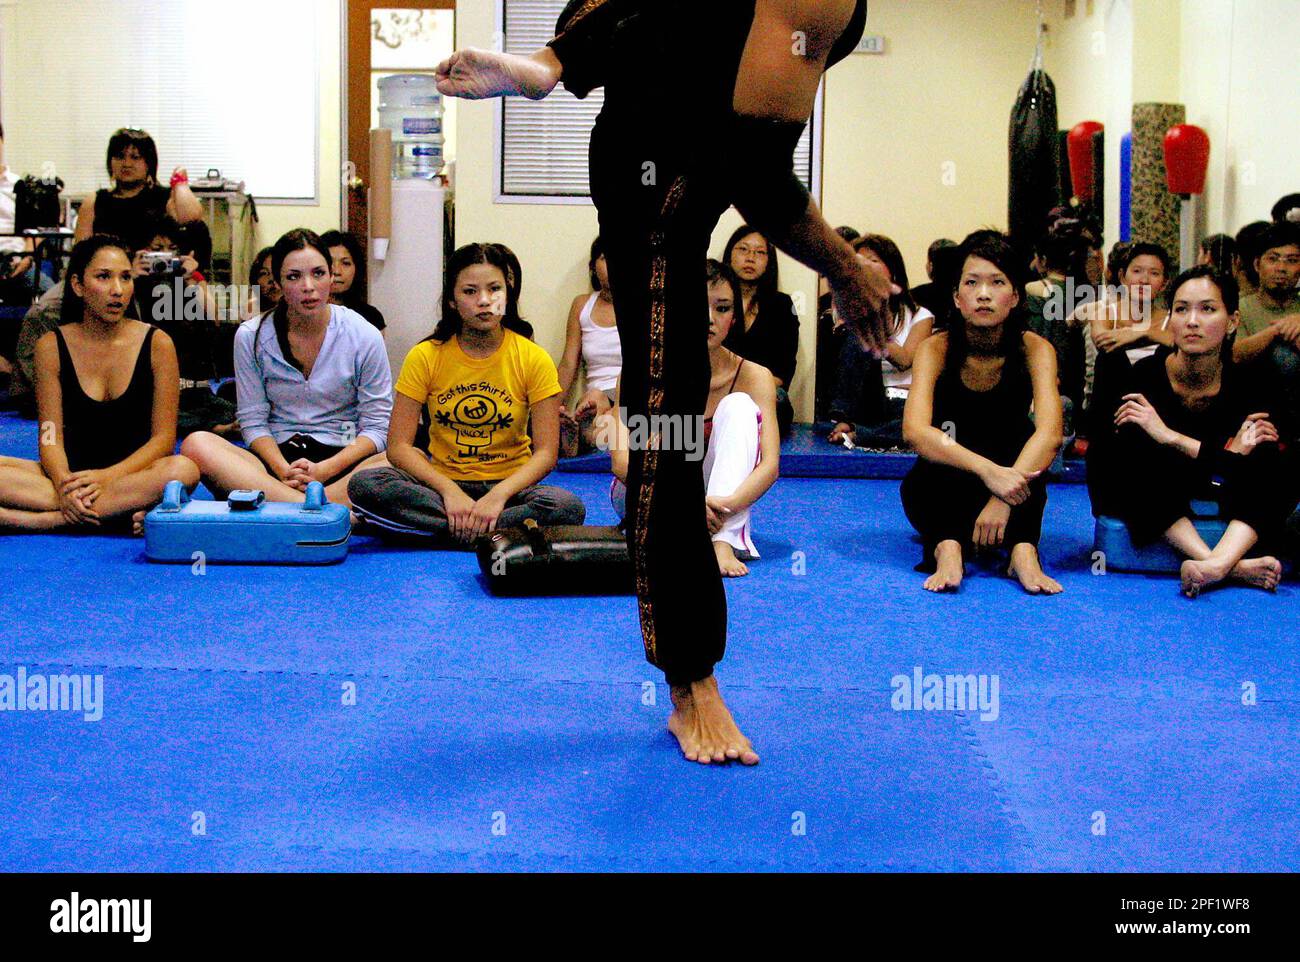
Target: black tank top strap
737, 377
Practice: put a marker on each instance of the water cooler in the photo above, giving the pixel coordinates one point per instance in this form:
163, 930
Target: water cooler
405, 253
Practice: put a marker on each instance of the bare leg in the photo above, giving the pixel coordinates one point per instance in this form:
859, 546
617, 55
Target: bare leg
144, 489
226, 468
1264, 572
23, 485
13, 519
1196, 575
1182, 534
949, 570
1025, 566
704, 728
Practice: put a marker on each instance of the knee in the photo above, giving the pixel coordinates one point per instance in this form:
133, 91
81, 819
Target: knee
366, 487
180, 468
201, 448
558, 506
736, 405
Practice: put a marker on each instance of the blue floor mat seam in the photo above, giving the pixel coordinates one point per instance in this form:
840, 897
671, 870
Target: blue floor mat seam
1021, 838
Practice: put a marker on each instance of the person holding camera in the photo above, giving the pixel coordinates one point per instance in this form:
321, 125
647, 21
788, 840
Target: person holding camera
136, 203
172, 292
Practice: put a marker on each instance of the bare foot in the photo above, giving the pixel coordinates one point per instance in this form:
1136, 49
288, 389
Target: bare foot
137, 523
704, 728
728, 563
1196, 576
948, 574
1263, 572
1025, 567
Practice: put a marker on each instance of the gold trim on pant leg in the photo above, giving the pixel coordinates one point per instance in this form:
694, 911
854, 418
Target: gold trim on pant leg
650, 464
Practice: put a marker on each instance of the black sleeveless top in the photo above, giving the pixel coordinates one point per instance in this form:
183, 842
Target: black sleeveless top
99, 434
993, 423
135, 219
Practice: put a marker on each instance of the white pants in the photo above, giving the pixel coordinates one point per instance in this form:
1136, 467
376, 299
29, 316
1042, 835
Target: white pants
732, 455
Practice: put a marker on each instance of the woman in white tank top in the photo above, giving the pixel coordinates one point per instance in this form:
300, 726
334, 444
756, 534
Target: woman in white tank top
592, 343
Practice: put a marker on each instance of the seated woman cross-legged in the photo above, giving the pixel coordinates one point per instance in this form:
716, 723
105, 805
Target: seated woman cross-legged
978, 478
1194, 425
482, 382
313, 386
740, 427
107, 389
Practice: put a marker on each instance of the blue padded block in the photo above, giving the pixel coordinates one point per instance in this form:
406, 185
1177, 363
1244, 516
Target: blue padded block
1111, 538
313, 533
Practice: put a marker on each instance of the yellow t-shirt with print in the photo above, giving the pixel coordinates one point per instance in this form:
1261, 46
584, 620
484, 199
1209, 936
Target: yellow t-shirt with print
478, 407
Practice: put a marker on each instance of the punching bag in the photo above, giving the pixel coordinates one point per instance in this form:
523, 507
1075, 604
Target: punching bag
1035, 160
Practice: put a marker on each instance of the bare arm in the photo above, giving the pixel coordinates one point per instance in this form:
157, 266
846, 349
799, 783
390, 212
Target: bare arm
568, 370
1041, 448
183, 207
85, 219
49, 406
1246, 349
902, 355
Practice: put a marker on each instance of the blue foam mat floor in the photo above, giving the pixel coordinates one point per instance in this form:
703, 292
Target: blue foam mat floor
224, 695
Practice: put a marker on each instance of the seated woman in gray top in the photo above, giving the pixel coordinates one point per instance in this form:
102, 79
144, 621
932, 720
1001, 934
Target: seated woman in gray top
314, 388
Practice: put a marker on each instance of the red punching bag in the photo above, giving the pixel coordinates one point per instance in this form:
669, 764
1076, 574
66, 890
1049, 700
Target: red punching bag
1079, 145
1187, 156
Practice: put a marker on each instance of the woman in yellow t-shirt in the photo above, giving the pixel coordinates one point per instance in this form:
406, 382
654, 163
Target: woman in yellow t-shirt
482, 383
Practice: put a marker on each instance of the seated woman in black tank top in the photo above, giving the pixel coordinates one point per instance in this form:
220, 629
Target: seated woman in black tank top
107, 390
740, 444
978, 481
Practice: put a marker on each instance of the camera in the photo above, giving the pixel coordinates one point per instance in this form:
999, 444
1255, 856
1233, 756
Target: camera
163, 263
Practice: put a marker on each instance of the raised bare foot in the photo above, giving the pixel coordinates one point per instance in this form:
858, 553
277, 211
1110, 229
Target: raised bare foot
728, 563
704, 728
1263, 572
1196, 576
1025, 567
137, 523
948, 573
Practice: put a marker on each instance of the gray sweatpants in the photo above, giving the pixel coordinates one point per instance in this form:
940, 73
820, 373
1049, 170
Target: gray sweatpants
399, 504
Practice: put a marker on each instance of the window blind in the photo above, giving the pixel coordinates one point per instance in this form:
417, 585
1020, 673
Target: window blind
231, 86
542, 155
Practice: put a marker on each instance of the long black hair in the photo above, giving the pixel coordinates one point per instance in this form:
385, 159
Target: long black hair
359, 292
73, 308
769, 282
1229, 293
495, 255
1221, 249
141, 141
996, 248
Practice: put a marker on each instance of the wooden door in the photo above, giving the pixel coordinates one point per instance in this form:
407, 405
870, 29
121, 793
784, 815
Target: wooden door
370, 22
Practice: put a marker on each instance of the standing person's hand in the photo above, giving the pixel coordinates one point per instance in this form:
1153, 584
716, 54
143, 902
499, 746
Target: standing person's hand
862, 301
473, 74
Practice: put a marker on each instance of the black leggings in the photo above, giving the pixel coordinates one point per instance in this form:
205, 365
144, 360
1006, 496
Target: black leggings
942, 504
657, 236
1149, 487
